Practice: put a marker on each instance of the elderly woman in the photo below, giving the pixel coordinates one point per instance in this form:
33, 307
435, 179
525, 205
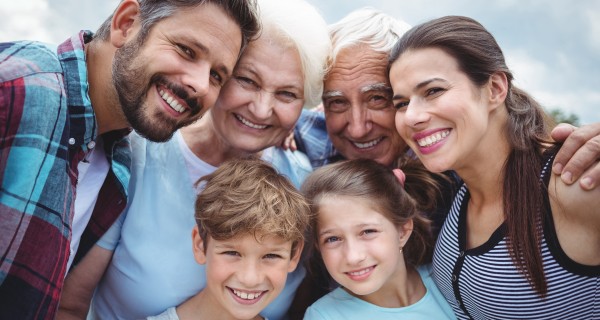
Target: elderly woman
152, 267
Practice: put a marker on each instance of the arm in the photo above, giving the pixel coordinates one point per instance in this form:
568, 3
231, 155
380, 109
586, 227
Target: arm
576, 215
580, 150
83, 278
81, 282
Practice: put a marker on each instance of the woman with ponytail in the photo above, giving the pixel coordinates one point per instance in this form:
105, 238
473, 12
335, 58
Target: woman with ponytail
517, 243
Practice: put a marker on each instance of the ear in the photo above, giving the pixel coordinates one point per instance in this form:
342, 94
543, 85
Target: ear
498, 89
125, 22
198, 246
404, 232
296, 257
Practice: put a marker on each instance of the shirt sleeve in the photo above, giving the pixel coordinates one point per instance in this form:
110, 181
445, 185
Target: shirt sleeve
112, 236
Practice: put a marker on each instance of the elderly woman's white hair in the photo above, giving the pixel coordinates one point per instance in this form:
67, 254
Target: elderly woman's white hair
366, 26
302, 25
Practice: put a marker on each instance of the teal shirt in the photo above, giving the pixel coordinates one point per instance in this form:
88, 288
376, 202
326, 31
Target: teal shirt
339, 304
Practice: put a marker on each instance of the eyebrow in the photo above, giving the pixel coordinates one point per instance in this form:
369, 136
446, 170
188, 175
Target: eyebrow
332, 94
419, 86
358, 226
376, 87
365, 89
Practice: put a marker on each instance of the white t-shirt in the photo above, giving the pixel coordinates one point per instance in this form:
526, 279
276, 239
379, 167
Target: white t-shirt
92, 173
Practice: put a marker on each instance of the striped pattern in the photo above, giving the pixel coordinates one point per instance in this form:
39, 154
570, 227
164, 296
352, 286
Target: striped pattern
483, 283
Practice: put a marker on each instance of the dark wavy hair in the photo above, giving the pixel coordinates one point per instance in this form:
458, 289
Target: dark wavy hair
479, 56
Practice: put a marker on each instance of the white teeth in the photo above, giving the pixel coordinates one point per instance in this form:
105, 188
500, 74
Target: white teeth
434, 138
367, 144
171, 101
246, 295
250, 124
359, 273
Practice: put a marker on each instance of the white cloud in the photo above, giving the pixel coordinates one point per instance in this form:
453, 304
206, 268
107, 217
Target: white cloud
541, 80
593, 20
24, 20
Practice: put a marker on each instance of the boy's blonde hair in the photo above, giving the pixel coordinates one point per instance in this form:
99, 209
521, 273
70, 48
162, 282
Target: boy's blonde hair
247, 196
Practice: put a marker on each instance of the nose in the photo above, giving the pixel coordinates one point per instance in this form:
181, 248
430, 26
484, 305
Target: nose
262, 105
197, 79
414, 114
250, 275
359, 123
355, 253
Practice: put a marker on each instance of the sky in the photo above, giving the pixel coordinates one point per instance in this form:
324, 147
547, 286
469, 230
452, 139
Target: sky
553, 48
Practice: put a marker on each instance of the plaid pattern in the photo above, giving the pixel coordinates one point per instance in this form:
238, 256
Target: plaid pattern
46, 125
311, 138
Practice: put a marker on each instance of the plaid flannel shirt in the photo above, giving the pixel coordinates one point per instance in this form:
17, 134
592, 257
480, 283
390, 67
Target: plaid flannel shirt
47, 126
310, 135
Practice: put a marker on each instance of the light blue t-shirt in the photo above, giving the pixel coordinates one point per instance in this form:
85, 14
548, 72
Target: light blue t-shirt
153, 266
339, 304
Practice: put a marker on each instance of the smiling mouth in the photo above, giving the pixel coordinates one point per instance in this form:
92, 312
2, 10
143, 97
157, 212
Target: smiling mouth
171, 101
368, 144
433, 139
250, 124
247, 295
360, 272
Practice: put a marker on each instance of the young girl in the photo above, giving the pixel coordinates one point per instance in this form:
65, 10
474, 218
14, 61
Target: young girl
372, 238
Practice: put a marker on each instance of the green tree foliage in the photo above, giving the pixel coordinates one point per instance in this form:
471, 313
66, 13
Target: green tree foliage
560, 116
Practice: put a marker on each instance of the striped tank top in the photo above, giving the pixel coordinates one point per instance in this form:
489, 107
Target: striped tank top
483, 282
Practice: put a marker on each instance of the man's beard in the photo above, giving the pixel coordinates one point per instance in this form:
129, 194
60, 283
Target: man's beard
132, 89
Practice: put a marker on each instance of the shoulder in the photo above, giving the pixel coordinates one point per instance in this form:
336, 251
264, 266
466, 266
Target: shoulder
169, 314
26, 58
337, 304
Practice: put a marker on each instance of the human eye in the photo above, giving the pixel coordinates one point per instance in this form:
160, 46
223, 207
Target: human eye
331, 239
231, 253
247, 83
336, 105
217, 77
272, 256
286, 96
378, 101
434, 91
401, 104
189, 53
369, 232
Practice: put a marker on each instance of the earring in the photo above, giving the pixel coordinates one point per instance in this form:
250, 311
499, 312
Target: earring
401, 249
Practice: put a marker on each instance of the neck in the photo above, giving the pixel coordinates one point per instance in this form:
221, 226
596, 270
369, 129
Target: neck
107, 109
403, 289
203, 306
206, 143
483, 171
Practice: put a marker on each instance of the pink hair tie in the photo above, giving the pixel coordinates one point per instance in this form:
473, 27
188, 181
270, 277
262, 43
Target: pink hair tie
400, 176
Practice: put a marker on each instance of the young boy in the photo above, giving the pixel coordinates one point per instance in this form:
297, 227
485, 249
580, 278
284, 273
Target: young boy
250, 231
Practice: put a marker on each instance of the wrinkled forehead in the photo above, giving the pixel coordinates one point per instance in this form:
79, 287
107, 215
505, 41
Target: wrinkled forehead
357, 69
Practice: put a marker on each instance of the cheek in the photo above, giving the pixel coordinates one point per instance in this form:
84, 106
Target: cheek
288, 115
399, 124
229, 98
334, 122
330, 258
384, 119
217, 271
